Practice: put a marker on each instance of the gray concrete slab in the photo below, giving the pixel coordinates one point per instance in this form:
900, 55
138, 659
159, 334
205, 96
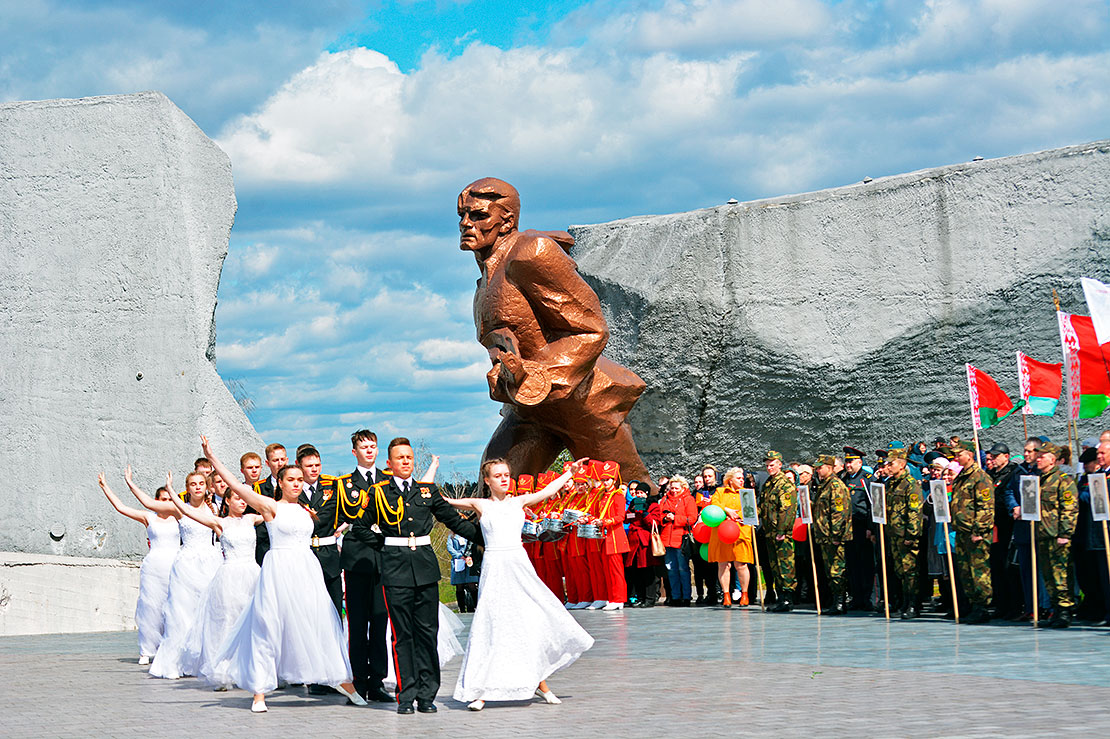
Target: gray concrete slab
660, 672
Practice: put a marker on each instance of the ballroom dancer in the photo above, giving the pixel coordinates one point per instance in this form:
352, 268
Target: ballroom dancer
520, 633
231, 588
290, 631
193, 569
164, 537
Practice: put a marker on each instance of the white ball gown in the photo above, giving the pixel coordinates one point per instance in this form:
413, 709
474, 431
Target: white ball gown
193, 568
290, 631
164, 536
520, 633
228, 594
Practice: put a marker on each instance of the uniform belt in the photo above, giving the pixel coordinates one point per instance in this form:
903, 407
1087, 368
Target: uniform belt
322, 541
408, 541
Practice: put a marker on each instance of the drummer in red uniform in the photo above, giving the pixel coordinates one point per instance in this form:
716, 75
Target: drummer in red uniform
579, 589
615, 544
548, 561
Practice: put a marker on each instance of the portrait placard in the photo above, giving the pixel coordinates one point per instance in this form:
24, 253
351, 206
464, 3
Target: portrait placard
878, 502
748, 508
938, 493
804, 511
1030, 498
1100, 504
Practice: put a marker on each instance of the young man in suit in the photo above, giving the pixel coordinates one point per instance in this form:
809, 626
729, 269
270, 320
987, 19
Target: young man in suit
398, 519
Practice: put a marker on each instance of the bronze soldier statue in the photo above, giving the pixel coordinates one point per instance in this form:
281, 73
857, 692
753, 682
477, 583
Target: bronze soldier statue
544, 330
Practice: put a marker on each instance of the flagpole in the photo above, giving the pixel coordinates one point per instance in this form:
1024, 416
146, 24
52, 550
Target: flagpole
1106, 544
758, 573
882, 557
1033, 550
1024, 429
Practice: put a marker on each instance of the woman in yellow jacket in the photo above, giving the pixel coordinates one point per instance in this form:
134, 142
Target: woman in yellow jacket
739, 553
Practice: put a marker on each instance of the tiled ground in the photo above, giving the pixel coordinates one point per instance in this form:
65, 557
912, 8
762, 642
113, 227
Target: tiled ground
661, 672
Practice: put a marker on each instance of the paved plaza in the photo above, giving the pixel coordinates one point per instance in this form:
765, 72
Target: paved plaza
661, 672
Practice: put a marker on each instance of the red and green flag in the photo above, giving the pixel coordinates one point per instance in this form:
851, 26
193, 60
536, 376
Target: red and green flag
1039, 384
989, 404
1087, 365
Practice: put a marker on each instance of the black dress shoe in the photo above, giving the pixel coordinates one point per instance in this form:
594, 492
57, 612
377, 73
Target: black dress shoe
321, 690
378, 695
404, 708
426, 707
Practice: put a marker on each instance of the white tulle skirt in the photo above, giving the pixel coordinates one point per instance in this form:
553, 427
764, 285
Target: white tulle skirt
448, 645
520, 633
193, 570
227, 596
289, 631
154, 588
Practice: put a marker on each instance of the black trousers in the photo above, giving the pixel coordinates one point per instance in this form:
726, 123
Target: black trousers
414, 617
859, 557
366, 622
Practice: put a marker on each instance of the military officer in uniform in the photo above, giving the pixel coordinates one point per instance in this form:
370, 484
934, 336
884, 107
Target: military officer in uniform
904, 521
366, 614
398, 519
860, 554
778, 509
973, 517
1059, 516
832, 521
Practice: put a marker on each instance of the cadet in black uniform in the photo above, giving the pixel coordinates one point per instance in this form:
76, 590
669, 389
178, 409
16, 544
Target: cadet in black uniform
398, 520
318, 494
860, 554
366, 614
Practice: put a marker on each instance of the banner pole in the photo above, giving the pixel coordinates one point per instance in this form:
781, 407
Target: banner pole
882, 558
1024, 428
758, 573
1106, 544
951, 574
813, 564
1033, 551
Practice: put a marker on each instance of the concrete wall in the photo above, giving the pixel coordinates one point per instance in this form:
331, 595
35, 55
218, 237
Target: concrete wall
114, 222
806, 322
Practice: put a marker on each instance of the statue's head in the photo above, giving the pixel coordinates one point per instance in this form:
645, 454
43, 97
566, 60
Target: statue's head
489, 210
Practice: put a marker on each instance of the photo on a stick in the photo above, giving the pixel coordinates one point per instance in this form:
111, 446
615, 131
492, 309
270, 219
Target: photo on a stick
804, 511
1030, 498
877, 492
748, 508
938, 493
1100, 505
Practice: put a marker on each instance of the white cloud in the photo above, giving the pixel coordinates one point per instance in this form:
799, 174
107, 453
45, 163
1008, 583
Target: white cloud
448, 351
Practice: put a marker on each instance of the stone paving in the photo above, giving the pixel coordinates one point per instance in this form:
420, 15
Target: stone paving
662, 672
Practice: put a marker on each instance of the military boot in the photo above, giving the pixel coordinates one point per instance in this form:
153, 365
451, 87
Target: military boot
785, 604
1061, 620
909, 612
840, 605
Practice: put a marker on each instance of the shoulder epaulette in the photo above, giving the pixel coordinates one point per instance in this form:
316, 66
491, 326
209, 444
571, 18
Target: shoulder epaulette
342, 477
388, 472
328, 478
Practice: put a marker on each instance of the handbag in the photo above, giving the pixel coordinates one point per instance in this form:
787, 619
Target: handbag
657, 548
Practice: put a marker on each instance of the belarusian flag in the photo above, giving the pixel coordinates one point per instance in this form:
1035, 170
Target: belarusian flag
989, 405
1039, 383
1088, 366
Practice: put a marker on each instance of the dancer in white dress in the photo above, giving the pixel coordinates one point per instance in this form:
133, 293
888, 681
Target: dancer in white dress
290, 631
231, 588
520, 633
193, 568
164, 537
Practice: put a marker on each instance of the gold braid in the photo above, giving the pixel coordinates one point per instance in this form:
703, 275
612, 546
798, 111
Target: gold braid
384, 511
345, 506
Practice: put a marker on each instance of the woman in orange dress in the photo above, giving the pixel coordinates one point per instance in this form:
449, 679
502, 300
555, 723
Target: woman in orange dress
737, 555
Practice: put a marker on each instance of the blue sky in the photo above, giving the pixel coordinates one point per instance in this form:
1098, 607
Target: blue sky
351, 127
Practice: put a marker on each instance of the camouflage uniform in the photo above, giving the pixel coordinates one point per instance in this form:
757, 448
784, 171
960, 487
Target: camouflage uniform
832, 521
973, 515
904, 524
777, 511
1059, 515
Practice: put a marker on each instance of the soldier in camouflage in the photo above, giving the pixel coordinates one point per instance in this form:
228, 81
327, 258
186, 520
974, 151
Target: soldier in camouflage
1059, 515
973, 518
904, 521
778, 509
832, 523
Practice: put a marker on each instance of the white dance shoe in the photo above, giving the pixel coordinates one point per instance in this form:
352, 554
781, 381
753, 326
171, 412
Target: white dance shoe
597, 605
259, 707
144, 660
477, 705
613, 607
548, 697
352, 696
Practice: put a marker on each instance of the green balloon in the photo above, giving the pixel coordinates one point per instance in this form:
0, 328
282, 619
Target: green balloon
704, 550
712, 515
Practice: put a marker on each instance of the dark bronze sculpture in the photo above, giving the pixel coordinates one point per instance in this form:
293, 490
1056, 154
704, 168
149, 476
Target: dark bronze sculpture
543, 328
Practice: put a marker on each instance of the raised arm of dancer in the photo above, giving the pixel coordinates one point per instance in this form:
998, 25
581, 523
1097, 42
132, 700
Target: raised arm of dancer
133, 513
430, 473
158, 506
202, 515
554, 487
466, 504
260, 503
